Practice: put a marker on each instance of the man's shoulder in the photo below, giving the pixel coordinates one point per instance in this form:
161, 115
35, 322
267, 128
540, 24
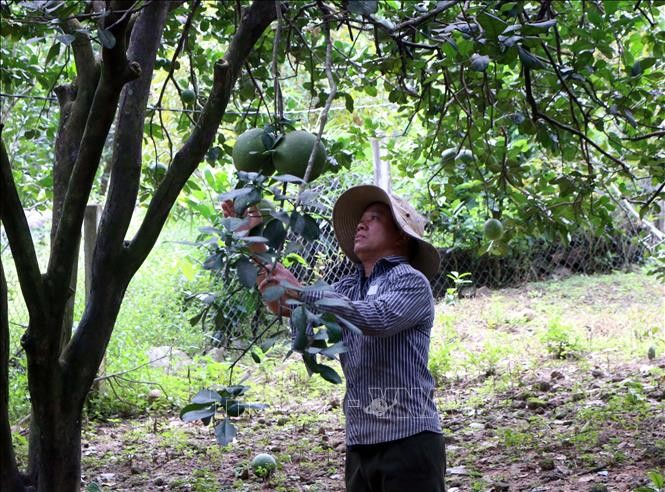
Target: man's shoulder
405, 272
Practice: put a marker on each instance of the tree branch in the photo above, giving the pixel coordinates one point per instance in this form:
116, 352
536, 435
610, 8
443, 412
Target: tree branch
657, 134
115, 72
536, 114
87, 68
18, 232
255, 20
331, 95
128, 143
442, 7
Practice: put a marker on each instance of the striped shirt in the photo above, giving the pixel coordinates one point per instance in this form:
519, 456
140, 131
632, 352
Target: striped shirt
389, 390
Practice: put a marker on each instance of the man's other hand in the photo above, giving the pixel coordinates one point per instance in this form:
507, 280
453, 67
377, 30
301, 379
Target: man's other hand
278, 275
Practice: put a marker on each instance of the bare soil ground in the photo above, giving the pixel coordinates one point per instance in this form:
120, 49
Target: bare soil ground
516, 417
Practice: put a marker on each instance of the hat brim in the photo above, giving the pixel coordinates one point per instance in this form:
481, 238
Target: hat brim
347, 212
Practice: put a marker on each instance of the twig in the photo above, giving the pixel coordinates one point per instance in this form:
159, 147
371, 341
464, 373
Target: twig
117, 374
169, 76
279, 105
323, 118
536, 114
657, 134
247, 349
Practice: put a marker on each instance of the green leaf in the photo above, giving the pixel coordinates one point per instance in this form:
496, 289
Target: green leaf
241, 202
535, 28
310, 363
333, 302
65, 39
311, 231
334, 331
288, 178
479, 63
233, 194
337, 348
247, 272
492, 25
299, 323
255, 357
273, 293
348, 102
529, 60
107, 38
641, 65
363, 7
53, 52
207, 396
275, 232
656, 478
297, 222
329, 374
225, 431
197, 411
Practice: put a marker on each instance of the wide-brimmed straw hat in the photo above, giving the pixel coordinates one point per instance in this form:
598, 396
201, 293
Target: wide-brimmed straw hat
349, 208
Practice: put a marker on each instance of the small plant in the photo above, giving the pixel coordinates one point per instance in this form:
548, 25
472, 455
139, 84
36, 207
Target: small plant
441, 361
656, 482
459, 280
207, 404
560, 340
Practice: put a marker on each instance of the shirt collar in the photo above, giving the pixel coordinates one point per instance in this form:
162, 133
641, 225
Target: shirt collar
382, 265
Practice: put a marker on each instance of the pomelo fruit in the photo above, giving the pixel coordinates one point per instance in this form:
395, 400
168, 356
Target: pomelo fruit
292, 154
188, 96
493, 229
243, 158
263, 465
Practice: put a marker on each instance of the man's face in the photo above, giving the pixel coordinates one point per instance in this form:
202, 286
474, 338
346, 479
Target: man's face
376, 233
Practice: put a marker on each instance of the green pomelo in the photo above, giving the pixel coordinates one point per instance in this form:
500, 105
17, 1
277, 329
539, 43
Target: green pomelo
188, 96
493, 229
248, 153
263, 465
292, 154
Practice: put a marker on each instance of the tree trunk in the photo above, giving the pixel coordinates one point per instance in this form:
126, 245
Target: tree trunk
60, 377
55, 450
10, 480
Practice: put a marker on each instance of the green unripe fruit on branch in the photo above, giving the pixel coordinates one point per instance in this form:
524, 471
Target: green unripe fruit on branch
493, 229
188, 96
248, 153
292, 155
263, 465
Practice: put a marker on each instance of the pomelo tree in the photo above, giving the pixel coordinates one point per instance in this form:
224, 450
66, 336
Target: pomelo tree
555, 108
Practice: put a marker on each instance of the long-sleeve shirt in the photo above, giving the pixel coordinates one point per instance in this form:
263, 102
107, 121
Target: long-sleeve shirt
389, 390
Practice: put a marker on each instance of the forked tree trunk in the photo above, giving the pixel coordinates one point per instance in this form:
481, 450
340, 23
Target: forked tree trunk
59, 377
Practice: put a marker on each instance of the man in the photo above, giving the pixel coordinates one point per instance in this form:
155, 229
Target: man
393, 433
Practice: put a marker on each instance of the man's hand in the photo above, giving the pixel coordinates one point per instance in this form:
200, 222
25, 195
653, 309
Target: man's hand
254, 218
252, 213
278, 275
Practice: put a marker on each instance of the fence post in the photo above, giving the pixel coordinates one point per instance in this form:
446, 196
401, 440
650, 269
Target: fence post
381, 168
90, 221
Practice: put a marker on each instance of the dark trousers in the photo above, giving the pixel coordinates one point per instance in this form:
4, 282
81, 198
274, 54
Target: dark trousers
417, 463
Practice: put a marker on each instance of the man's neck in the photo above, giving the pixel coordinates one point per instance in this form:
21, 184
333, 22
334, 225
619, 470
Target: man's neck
369, 263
